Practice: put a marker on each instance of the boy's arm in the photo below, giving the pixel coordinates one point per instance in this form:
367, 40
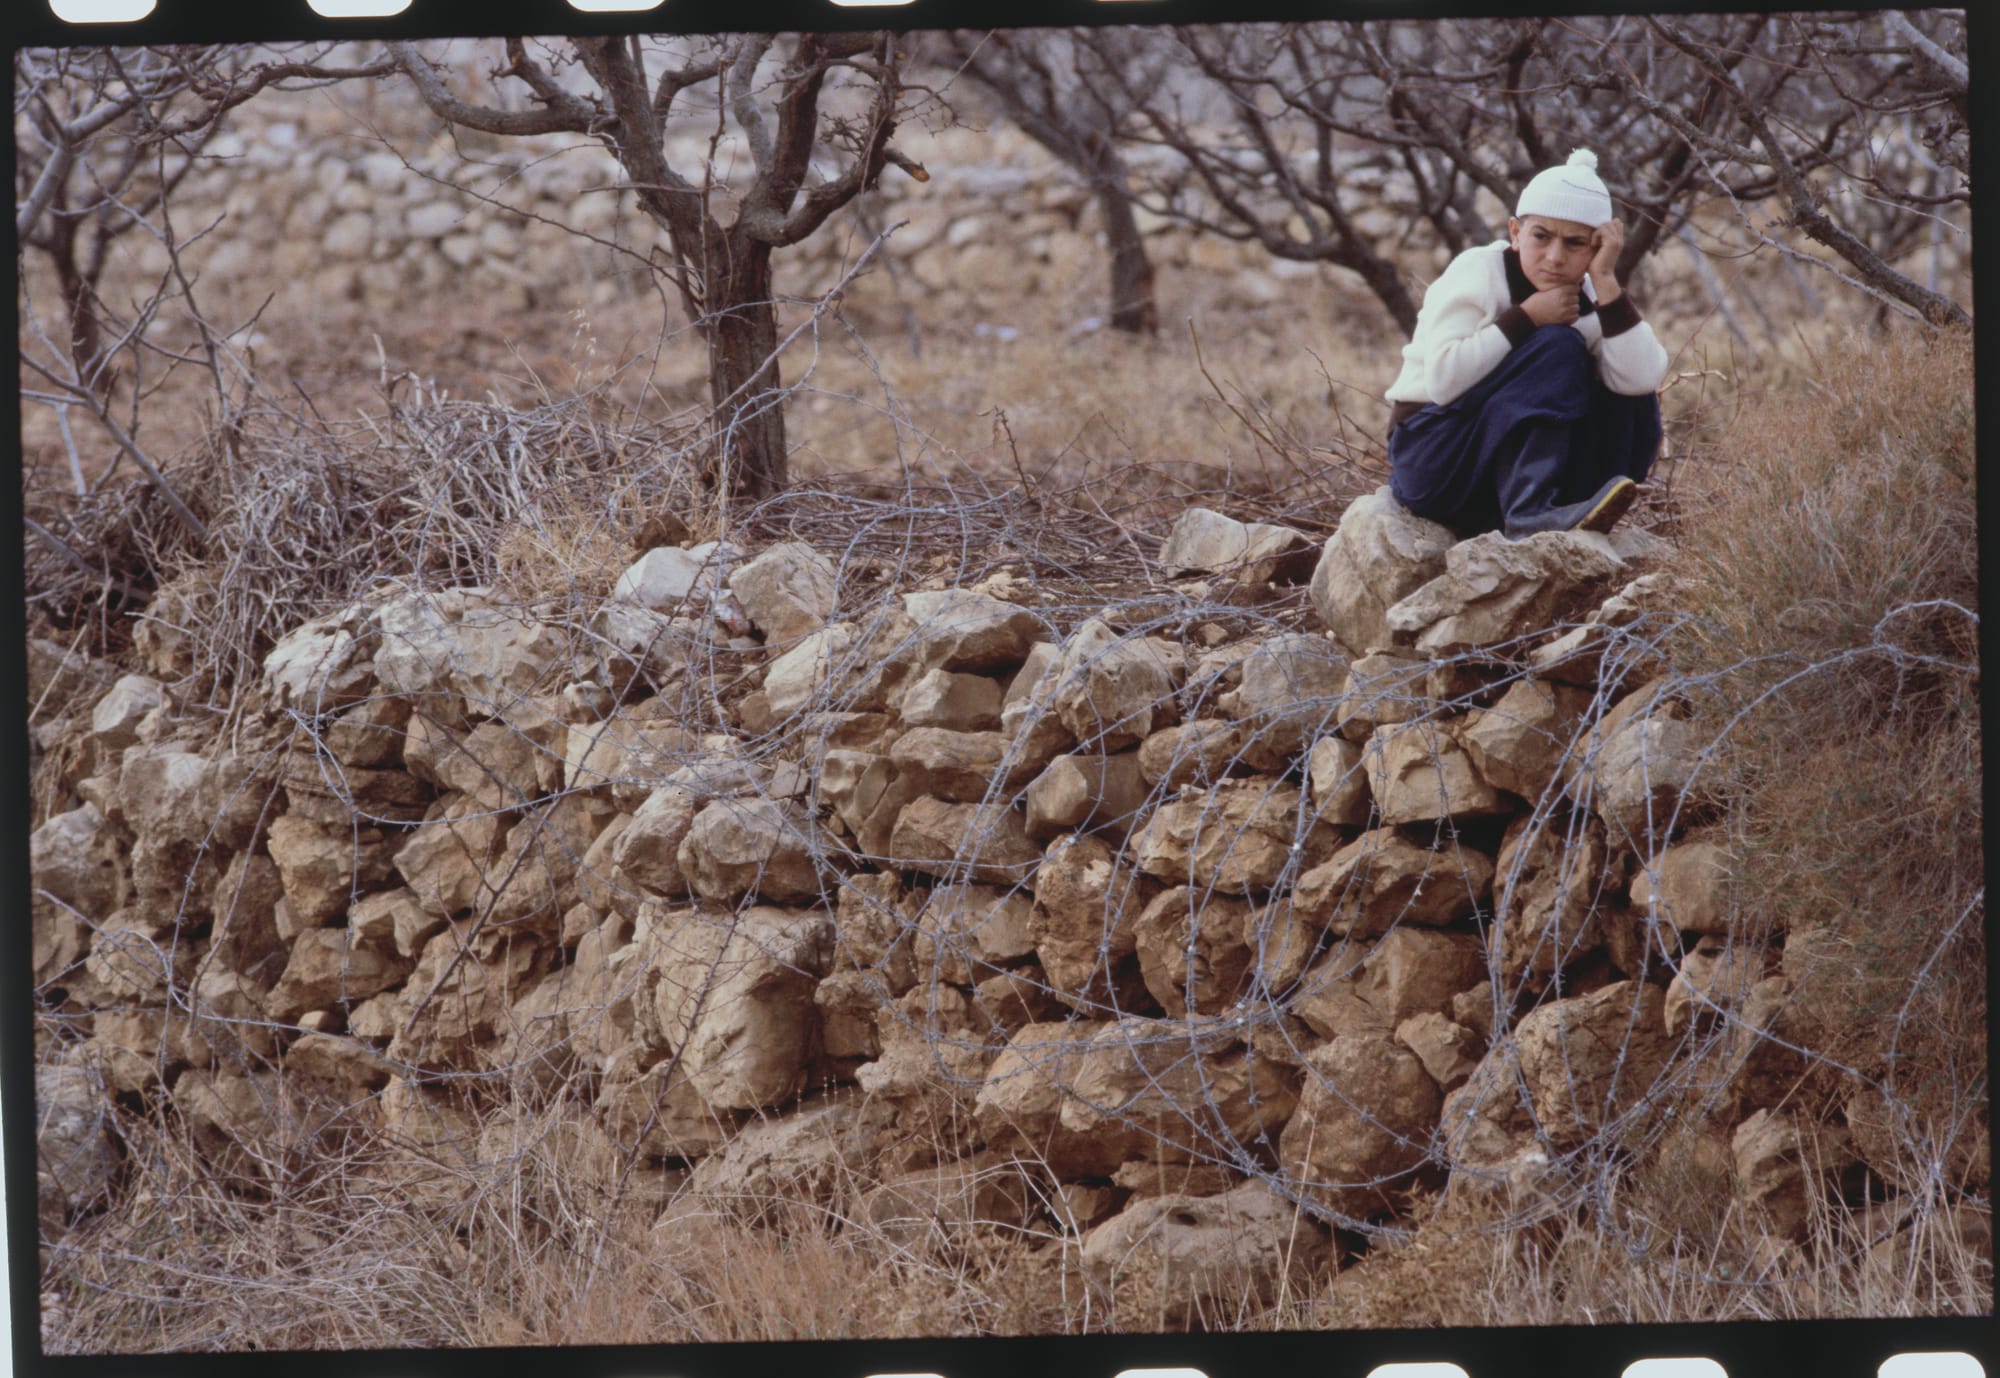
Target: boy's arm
1463, 341
1630, 358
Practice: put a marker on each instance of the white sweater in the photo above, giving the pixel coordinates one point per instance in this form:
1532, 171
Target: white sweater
1458, 342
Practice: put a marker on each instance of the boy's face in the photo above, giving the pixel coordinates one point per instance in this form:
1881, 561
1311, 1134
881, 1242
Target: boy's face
1554, 253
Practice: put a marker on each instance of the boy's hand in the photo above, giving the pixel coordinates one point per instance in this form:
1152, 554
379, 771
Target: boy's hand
1552, 305
1608, 240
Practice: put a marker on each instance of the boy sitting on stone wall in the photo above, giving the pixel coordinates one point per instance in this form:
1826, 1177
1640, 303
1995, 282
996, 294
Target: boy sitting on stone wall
1528, 397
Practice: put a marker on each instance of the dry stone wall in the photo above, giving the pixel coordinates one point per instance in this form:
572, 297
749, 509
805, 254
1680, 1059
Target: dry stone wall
327, 210
1126, 923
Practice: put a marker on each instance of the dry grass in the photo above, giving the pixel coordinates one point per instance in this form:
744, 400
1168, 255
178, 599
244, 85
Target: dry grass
1838, 587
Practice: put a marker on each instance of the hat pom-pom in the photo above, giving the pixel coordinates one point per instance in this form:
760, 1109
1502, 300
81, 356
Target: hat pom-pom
1583, 157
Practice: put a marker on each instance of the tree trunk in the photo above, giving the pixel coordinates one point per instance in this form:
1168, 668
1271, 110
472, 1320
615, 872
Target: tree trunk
1132, 307
741, 330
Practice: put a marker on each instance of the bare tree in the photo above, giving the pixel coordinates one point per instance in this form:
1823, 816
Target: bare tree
1251, 128
1822, 110
1054, 88
1854, 123
103, 137
797, 101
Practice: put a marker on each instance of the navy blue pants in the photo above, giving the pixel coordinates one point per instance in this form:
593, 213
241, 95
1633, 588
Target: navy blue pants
1539, 431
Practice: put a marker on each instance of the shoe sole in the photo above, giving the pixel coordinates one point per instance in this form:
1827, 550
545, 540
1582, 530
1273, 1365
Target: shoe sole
1609, 509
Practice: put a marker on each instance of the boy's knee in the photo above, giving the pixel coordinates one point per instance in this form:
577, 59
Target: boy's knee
1557, 342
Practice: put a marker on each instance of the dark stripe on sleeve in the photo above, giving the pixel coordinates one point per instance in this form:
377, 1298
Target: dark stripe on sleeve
1618, 317
1516, 326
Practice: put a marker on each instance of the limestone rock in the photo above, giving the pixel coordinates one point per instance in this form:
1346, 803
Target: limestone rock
232, 1119
1237, 837
960, 767
60, 939
370, 734
875, 921
73, 858
1363, 1125
1167, 1089
1638, 769
938, 1207
323, 870
803, 675
1146, 1177
76, 1164
1520, 743
170, 795
1286, 696
624, 757
1550, 898
1494, 591
739, 847
1019, 1104
1380, 553
1772, 1059
1014, 998
959, 629
1420, 772
1382, 879
393, 923
1338, 778
1382, 690
537, 867
446, 861
1082, 792
326, 968
434, 1143
647, 849
1486, 1129
318, 665
1686, 888
457, 641
1201, 952
456, 1000
348, 1067
988, 842
1448, 1051
967, 932
244, 939
500, 764
802, 1157
850, 1005
867, 793
1591, 1057
788, 591
956, 702
1783, 1165
1373, 987
664, 578
114, 721
634, 646
734, 1000
589, 1003
1111, 690
658, 1113
320, 790
1084, 923
1207, 542
1200, 752
1619, 639
1714, 980
1167, 1262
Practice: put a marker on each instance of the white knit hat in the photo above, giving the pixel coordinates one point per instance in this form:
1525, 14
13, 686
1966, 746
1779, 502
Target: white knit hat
1570, 192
